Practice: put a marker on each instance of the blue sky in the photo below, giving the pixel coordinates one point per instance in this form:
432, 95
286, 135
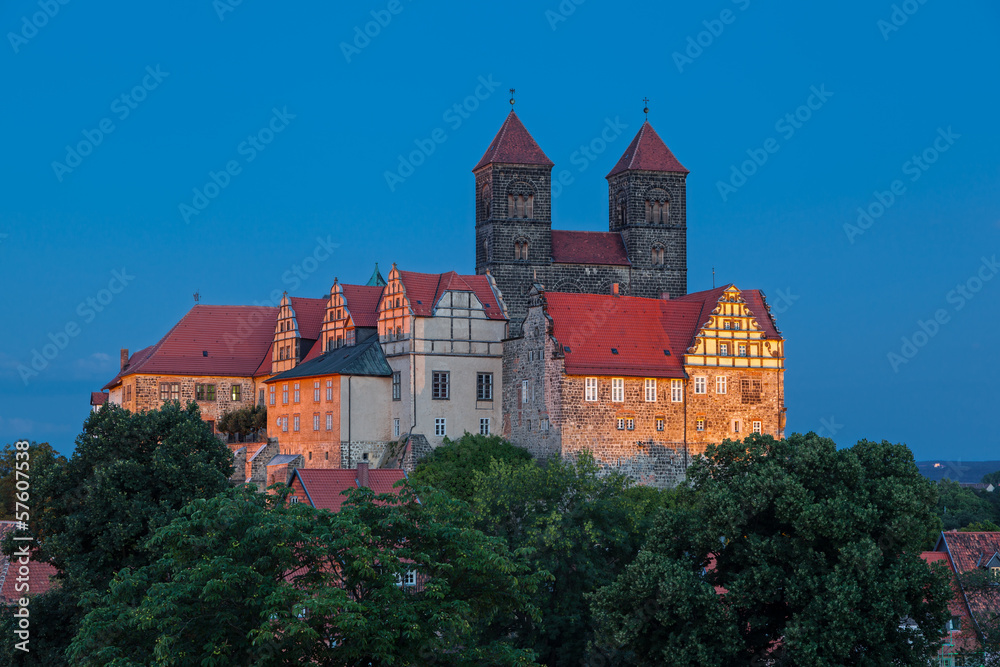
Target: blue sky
897, 83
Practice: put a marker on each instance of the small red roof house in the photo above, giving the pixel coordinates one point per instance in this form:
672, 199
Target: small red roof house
971, 556
324, 488
13, 584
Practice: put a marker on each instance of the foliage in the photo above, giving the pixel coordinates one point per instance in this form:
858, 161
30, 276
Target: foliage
992, 478
40, 455
980, 527
244, 578
452, 466
983, 591
582, 528
815, 548
959, 506
244, 421
129, 476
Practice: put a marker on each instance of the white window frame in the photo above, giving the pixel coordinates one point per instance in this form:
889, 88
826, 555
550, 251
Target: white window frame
329, 390
742, 349
524, 390
284, 424
272, 393
329, 422
316, 422
543, 425
298, 395
660, 423
284, 394
618, 390
484, 426
296, 422
621, 423
440, 427
723, 349
316, 391
630, 423
720, 384
650, 387
757, 427
395, 427
677, 391
699, 424
590, 391
701, 385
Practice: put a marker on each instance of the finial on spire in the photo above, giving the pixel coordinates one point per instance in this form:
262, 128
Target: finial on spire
511, 98
645, 110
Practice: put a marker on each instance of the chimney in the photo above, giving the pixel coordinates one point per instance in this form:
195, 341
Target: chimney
363, 473
665, 296
124, 358
614, 288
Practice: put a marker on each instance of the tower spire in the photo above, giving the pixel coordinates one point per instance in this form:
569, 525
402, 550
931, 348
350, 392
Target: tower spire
512, 98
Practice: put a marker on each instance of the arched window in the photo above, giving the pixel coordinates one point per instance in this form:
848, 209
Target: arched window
521, 201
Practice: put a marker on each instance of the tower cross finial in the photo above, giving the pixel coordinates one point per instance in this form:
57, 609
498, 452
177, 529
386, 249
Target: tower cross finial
511, 98
645, 110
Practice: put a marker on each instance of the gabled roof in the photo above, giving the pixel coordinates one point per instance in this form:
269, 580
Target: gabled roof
588, 248
235, 338
324, 486
513, 144
754, 299
967, 552
362, 302
647, 152
424, 290
98, 397
365, 358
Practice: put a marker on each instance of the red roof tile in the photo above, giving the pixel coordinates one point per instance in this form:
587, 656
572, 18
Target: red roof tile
325, 486
309, 314
647, 152
362, 302
513, 145
98, 397
588, 248
39, 573
236, 339
424, 290
754, 299
967, 552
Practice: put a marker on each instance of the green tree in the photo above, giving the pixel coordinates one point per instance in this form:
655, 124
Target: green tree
40, 455
244, 422
244, 578
582, 527
980, 527
94, 513
452, 467
815, 552
992, 478
959, 506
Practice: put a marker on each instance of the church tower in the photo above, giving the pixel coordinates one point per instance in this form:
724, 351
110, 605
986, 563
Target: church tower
513, 214
647, 205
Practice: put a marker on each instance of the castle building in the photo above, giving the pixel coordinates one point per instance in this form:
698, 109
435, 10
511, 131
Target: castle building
644, 250
643, 384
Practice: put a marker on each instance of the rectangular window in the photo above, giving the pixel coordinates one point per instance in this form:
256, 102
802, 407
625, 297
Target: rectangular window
700, 385
659, 423
316, 422
295, 423
724, 349
617, 390
284, 424
484, 426
544, 425
271, 396
316, 391
524, 391
591, 389
395, 428
410, 578
440, 385
484, 386
720, 384
743, 350
164, 391
621, 423
700, 424
676, 391
329, 390
440, 426
650, 390
397, 386
297, 394
630, 424
736, 426
727, 325
736, 325
756, 427
955, 624
235, 392
284, 394
329, 421
204, 392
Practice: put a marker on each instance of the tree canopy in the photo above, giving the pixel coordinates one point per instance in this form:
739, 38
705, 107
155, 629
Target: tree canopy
40, 455
452, 467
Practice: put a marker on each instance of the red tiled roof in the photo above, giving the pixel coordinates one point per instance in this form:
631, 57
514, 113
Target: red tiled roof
39, 576
424, 290
309, 314
98, 397
754, 299
362, 302
647, 152
967, 552
265, 363
513, 145
324, 486
235, 337
588, 248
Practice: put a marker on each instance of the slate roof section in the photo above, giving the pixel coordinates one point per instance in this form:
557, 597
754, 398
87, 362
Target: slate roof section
236, 339
647, 152
324, 486
513, 144
424, 290
365, 358
606, 248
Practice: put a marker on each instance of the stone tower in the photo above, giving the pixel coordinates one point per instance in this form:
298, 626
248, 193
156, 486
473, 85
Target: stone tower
513, 213
647, 204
